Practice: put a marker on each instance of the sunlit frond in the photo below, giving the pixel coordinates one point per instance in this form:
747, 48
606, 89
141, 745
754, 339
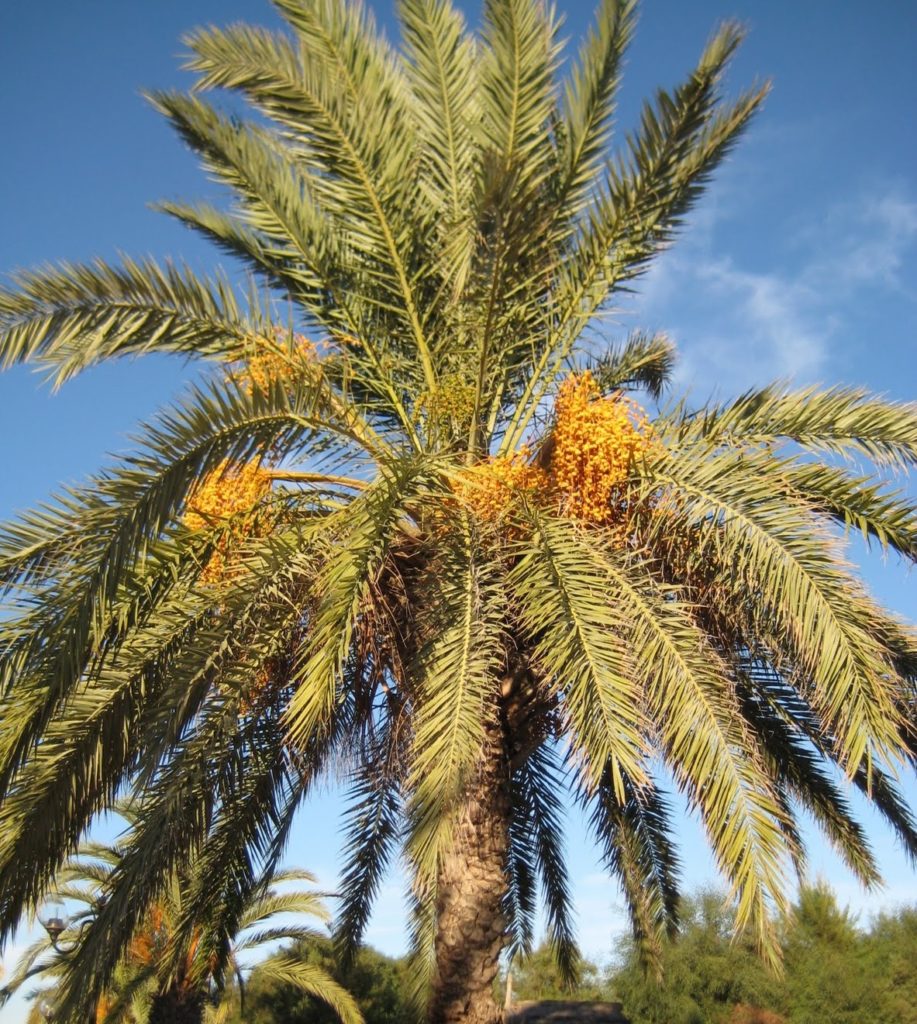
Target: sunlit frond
73, 316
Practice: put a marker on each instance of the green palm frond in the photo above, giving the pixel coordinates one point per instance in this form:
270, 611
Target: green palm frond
824, 619
443, 76
860, 503
312, 981
714, 757
635, 836
123, 513
673, 154
367, 527
589, 100
70, 317
279, 222
36, 959
372, 829
643, 361
458, 665
560, 585
539, 783
520, 901
839, 420
359, 175
149, 968
772, 712
521, 56
422, 945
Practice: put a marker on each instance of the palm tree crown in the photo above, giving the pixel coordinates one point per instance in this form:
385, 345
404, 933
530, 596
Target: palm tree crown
413, 528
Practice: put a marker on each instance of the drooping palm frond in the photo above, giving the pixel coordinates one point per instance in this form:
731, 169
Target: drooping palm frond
313, 981
561, 588
635, 835
644, 362
458, 665
537, 828
373, 826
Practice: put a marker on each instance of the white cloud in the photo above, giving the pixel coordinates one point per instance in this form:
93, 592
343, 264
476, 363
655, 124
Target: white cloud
870, 241
739, 325
735, 327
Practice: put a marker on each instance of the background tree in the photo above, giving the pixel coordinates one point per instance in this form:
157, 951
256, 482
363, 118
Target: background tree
891, 966
159, 979
829, 978
378, 984
412, 526
537, 976
834, 970
707, 976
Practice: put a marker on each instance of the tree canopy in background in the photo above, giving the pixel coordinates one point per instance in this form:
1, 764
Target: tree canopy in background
834, 970
379, 985
837, 971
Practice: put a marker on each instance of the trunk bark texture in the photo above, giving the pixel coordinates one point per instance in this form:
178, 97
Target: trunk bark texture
177, 1006
471, 927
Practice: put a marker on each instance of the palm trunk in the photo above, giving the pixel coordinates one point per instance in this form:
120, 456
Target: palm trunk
471, 928
177, 1006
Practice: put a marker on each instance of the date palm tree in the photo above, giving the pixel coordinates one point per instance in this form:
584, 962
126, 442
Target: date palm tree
412, 528
161, 981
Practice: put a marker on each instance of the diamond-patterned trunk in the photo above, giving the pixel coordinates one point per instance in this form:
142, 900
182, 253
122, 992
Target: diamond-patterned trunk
471, 928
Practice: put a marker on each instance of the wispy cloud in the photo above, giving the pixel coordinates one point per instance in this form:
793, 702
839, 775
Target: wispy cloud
740, 321
869, 242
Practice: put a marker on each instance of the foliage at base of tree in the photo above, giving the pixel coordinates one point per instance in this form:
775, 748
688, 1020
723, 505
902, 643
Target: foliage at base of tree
834, 970
377, 982
705, 973
537, 976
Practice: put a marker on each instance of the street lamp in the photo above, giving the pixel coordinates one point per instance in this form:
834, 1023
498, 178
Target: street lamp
55, 922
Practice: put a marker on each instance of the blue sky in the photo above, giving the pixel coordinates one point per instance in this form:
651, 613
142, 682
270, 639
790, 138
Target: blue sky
801, 263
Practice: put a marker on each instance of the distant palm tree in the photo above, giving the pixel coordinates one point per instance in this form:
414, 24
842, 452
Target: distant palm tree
411, 528
163, 980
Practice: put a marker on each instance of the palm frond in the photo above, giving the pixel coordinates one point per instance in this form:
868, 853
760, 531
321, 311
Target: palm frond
773, 709
73, 316
354, 169
366, 530
714, 757
313, 981
590, 98
673, 155
839, 420
635, 836
538, 784
821, 613
561, 584
860, 503
456, 688
644, 361
372, 831
519, 61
